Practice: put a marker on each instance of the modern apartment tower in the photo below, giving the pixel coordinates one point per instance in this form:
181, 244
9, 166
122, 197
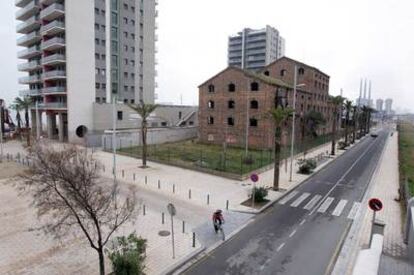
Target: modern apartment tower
253, 49
79, 52
388, 106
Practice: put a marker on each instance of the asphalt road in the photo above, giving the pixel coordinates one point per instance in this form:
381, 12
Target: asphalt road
303, 232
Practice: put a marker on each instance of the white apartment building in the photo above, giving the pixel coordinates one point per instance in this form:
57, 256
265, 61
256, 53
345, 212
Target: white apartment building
80, 52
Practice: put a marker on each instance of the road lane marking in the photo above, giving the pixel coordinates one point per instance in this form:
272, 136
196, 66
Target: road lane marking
343, 176
302, 222
312, 202
299, 200
280, 247
354, 210
339, 208
293, 233
288, 197
325, 205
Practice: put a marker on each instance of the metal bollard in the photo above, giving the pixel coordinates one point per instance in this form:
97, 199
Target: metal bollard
123, 173
194, 239
143, 210
183, 226
208, 199
133, 175
162, 218
103, 168
159, 184
189, 194
227, 205
146, 179
173, 188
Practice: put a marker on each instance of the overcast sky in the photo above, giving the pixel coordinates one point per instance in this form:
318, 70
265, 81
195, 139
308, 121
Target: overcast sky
348, 40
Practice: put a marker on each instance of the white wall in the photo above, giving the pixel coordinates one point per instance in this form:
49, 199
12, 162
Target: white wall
80, 64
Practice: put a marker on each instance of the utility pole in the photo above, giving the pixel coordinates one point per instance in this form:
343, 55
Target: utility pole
293, 123
114, 117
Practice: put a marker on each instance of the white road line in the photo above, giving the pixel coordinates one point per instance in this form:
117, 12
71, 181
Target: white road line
354, 210
299, 200
280, 247
312, 202
288, 197
343, 176
339, 208
325, 205
293, 233
302, 222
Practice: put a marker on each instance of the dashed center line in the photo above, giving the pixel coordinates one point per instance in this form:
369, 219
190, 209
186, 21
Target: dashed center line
280, 247
302, 222
293, 233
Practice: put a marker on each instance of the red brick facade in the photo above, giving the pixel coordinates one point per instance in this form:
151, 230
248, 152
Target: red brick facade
219, 106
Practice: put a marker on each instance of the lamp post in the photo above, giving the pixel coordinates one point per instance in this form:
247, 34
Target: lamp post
292, 142
114, 136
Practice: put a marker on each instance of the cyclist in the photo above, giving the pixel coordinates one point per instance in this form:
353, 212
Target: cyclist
218, 219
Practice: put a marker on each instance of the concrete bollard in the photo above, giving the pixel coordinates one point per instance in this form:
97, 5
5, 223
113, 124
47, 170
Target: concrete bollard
143, 210
173, 188
159, 184
227, 204
162, 218
208, 199
194, 242
103, 168
146, 180
133, 176
189, 194
183, 226
123, 173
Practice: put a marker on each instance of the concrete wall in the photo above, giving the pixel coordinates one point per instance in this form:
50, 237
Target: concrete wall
80, 66
128, 138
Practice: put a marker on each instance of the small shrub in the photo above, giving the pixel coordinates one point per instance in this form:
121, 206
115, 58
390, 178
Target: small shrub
260, 193
342, 145
307, 166
248, 160
127, 255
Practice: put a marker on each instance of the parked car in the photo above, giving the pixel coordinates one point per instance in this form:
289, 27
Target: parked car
374, 134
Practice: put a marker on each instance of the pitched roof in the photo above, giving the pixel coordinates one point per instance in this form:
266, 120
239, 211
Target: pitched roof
266, 79
295, 61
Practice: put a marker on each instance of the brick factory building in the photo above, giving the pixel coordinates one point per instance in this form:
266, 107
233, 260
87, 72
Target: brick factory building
235, 97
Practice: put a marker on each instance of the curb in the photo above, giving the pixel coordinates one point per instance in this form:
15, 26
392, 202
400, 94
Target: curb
185, 259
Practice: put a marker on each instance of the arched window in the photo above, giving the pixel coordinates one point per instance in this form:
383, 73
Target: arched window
254, 104
210, 120
301, 71
283, 72
231, 104
232, 87
254, 86
253, 122
210, 104
211, 88
266, 73
230, 121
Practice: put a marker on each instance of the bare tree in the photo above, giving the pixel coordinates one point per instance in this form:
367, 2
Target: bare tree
71, 197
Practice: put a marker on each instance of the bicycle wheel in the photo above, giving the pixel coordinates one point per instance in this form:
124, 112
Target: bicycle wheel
223, 237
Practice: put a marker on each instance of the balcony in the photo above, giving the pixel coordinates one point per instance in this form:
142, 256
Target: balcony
30, 79
31, 92
53, 44
29, 66
260, 38
29, 10
54, 75
47, 2
53, 28
29, 25
54, 59
52, 12
21, 3
54, 90
53, 105
29, 39
29, 53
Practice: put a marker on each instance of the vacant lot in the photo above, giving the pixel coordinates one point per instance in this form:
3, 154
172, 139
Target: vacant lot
233, 160
406, 153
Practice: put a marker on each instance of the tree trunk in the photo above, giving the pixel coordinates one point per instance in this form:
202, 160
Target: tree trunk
346, 128
26, 117
144, 145
101, 261
333, 134
369, 121
354, 127
277, 159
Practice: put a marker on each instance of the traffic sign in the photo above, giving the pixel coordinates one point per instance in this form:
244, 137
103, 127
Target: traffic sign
171, 209
254, 177
375, 204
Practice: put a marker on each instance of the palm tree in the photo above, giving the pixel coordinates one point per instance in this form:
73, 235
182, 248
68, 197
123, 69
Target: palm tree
18, 117
25, 104
364, 120
355, 122
337, 102
144, 111
278, 116
348, 108
370, 111
310, 124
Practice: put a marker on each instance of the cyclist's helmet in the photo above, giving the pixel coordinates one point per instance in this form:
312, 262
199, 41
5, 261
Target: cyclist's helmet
218, 211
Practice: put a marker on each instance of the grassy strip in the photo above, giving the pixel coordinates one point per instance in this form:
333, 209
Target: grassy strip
406, 153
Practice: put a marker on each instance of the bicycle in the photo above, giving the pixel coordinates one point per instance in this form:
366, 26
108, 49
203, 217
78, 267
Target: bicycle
220, 228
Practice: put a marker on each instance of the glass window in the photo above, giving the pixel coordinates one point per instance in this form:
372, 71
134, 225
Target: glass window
114, 18
114, 32
114, 4
114, 46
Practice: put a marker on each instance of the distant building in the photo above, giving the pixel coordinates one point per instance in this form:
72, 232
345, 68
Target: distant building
233, 104
379, 105
253, 49
388, 106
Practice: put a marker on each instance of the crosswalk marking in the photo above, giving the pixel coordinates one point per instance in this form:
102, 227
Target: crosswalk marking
299, 200
339, 208
354, 210
312, 202
288, 197
325, 205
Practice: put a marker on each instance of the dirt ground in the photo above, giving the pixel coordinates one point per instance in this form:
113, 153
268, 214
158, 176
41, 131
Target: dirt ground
10, 169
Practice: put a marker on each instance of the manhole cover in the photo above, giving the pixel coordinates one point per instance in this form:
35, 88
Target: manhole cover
164, 233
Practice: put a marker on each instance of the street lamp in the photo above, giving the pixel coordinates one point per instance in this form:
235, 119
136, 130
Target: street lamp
295, 85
